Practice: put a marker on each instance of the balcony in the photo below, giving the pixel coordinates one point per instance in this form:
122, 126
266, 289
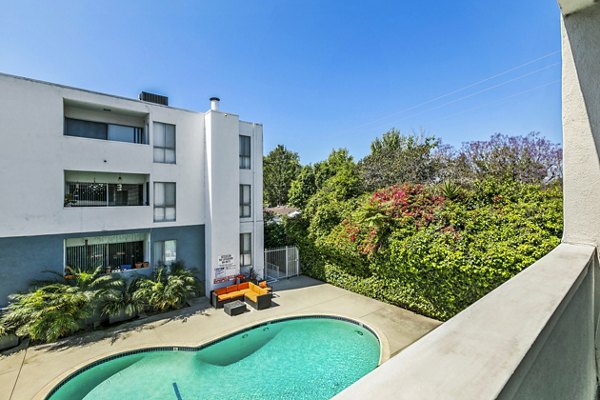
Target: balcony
95, 121
101, 189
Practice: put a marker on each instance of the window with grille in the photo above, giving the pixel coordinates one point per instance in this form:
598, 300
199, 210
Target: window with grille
88, 257
245, 249
164, 143
164, 201
244, 152
245, 200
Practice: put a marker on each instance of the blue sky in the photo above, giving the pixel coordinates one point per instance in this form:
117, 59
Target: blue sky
318, 74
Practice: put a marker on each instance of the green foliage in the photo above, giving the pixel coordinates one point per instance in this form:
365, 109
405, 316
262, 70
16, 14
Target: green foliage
281, 167
275, 231
48, 313
396, 158
303, 187
57, 308
166, 291
121, 298
410, 246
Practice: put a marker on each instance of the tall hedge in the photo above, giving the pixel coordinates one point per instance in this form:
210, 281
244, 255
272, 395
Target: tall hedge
432, 249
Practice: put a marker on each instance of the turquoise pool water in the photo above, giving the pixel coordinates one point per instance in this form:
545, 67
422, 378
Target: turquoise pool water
307, 358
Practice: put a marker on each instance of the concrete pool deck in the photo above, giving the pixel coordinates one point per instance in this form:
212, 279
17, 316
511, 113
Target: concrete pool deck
32, 372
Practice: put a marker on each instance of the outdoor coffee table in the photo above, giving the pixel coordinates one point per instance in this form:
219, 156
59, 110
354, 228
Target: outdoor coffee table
235, 308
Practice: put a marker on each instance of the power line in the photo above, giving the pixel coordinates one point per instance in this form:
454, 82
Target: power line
485, 90
474, 94
461, 88
502, 99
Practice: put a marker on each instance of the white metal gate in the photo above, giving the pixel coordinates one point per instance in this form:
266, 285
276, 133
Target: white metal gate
282, 262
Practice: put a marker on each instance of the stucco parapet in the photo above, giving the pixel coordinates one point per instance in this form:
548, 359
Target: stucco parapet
571, 6
474, 354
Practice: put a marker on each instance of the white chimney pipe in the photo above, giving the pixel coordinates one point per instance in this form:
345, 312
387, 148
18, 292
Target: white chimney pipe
214, 103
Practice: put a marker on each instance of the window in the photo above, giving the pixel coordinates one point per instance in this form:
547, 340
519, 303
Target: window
245, 249
245, 195
165, 252
244, 152
164, 143
104, 131
164, 201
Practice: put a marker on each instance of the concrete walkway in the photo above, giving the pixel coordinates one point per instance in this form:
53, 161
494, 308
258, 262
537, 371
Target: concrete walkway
31, 373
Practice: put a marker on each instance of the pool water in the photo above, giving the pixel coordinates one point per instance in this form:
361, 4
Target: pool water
307, 358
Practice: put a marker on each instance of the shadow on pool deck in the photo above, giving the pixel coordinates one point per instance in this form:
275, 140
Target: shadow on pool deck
32, 372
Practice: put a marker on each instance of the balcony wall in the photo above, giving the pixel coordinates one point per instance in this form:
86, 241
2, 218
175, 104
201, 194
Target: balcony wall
531, 338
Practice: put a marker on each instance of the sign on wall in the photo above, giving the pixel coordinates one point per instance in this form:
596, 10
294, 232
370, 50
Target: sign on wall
226, 270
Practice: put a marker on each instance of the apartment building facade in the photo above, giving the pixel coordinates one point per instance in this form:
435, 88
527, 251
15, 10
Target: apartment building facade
93, 180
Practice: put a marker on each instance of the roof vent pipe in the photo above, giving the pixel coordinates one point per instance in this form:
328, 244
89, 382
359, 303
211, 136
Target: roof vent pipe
214, 103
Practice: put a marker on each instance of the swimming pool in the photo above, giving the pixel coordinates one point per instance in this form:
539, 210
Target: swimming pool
296, 358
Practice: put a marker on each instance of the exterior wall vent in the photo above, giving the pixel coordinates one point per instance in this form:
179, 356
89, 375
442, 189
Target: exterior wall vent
154, 98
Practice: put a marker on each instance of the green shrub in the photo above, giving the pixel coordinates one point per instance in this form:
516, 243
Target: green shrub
167, 290
408, 246
49, 312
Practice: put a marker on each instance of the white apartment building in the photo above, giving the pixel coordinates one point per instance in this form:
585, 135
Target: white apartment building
90, 179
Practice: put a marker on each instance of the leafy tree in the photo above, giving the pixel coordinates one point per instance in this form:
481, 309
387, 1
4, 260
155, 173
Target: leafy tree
281, 167
303, 187
338, 180
530, 158
275, 235
396, 158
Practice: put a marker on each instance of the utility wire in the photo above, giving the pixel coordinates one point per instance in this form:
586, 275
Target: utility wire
475, 93
484, 90
462, 88
502, 99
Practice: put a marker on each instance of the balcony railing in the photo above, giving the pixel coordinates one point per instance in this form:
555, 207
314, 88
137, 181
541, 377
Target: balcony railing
85, 194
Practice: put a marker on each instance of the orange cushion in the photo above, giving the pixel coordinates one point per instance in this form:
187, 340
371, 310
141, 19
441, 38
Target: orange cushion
231, 288
221, 291
244, 285
263, 284
251, 295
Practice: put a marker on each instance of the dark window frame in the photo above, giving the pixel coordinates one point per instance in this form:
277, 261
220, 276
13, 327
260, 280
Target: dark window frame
245, 253
139, 135
163, 149
164, 204
245, 206
245, 152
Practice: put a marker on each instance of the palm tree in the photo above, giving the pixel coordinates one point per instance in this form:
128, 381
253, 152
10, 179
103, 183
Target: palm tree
48, 313
167, 291
120, 301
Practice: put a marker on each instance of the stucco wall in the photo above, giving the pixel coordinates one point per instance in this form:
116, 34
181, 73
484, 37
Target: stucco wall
531, 338
561, 364
222, 191
581, 126
35, 153
23, 259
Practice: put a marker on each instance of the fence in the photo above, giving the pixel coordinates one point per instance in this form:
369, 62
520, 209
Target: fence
282, 262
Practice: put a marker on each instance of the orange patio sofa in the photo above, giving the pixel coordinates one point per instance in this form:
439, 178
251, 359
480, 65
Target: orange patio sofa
256, 296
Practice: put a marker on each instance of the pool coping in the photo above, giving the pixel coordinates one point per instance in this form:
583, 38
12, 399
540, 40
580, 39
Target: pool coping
56, 383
